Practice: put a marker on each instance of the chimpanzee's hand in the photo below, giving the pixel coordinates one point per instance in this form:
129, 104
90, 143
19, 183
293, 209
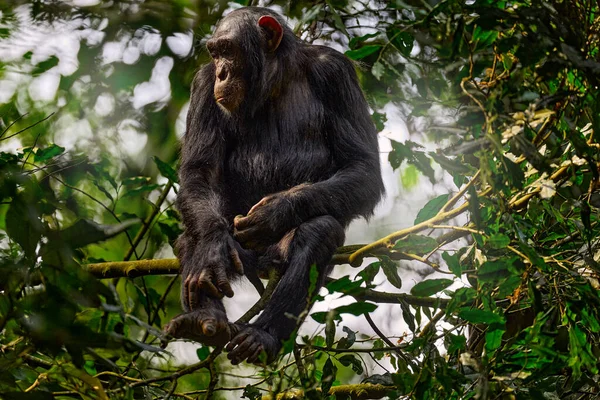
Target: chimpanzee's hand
266, 222
209, 270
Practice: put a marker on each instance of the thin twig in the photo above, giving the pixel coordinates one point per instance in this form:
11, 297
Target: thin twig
357, 256
24, 129
148, 221
11, 124
274, 278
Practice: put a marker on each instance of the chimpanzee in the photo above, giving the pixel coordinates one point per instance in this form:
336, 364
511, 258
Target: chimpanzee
280, 154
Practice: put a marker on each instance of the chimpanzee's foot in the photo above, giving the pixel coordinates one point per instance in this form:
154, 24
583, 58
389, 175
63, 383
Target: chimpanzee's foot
249, 343
208, 326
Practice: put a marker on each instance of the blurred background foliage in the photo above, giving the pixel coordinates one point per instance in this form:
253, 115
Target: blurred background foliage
497, 98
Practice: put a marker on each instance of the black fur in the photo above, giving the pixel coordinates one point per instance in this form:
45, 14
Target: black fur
303, 134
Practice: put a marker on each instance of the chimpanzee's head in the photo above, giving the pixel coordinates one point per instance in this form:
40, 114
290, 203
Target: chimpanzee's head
243, 50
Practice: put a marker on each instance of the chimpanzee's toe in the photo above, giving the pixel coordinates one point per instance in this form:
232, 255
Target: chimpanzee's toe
206, 326
250, 343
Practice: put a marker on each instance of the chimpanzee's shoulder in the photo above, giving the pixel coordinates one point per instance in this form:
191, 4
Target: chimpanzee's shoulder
331, 74
324, 61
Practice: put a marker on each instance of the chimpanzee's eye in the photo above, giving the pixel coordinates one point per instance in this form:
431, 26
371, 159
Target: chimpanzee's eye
211, 46
225, 49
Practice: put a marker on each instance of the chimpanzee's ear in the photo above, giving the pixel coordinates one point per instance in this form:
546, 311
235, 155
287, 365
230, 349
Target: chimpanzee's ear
273, 30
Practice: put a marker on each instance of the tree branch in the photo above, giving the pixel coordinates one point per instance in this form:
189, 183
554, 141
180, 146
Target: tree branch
133, 269
397, 298
359, 391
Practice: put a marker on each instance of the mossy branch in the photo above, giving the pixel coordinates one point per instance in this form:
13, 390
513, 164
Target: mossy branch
133, 269
359, 391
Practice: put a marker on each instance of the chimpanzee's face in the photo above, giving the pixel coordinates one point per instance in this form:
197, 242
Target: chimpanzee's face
224, 48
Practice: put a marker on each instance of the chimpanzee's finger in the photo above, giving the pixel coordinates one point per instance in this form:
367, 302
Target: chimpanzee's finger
241, 350
236, 340
237, 262
193, 296
245, 222
222, 282
205, 283
188, 291
246, 235
254, 353
236, 221
235, 257
173, 327
261, 203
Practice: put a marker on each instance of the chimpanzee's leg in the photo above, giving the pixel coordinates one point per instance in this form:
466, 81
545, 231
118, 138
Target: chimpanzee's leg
204, 320
312, 243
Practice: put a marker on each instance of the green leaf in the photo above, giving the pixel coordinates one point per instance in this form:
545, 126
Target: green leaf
252, 393
84, 232
330, 330
493, 337
23, 225
311, 14
203, 353
410, 177
390, 269
407, 316
102, 189
416, 244
356, 308
431, 209
353, 362
378, 70
453, 166
328, 377
363, 51
356, 41
483, 38
494, 270
45, 65
455, 343
369, 272
319, 316
166, 170
45, 154
380, 119
498, 241
453, 263
430, 287
140, 190
481, 317
403, 41
348, 341
401, 152
337, 20
343, 285
423, 163
136, 181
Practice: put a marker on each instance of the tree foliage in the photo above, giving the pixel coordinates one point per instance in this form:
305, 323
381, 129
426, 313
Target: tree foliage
508, 91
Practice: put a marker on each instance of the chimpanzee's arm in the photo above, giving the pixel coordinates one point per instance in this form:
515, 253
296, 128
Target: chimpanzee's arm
200, 200
210, 255
356, 186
